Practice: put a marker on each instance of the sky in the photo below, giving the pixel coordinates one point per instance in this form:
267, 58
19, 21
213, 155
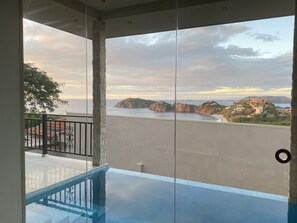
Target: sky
217, 62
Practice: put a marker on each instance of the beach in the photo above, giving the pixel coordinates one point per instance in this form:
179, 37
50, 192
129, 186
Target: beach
220, 118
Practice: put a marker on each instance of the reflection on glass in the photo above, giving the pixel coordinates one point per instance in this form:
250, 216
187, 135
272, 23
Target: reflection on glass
214, 163
238, 75
56, 143
140, 125
75, 199
140, 98
112, 195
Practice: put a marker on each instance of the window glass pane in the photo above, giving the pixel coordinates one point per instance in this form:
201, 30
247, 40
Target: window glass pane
233, 114
56, 142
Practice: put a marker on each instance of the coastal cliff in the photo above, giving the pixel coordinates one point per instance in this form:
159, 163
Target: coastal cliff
185, 108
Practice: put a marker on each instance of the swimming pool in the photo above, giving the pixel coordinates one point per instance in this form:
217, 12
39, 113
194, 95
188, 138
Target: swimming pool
111, 195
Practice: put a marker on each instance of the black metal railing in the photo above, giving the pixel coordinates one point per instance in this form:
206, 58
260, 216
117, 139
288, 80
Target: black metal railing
63, 134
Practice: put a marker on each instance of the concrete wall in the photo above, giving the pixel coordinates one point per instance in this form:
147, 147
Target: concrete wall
229, 154
141, 140
237, 155
12, 191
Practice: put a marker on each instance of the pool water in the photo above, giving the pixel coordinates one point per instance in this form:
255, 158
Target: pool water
111, 195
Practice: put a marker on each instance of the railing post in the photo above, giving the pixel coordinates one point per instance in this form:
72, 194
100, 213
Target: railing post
44, 135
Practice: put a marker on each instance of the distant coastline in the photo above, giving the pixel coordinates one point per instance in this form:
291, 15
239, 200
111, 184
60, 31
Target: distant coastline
256, 110
79, 106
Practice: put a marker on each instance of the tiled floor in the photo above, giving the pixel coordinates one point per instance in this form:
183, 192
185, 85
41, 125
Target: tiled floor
45, 171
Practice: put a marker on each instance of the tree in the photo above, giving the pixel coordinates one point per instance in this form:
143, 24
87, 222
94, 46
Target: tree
41, 92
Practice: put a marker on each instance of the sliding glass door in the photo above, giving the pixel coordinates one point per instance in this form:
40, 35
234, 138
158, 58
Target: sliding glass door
156, 111
233, 121
58, 134
140, 123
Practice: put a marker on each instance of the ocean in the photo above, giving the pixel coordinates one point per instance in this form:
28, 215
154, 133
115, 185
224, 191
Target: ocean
79, 106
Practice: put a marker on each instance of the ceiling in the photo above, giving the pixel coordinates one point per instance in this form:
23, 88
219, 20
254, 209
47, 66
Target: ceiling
108, 5
131, 17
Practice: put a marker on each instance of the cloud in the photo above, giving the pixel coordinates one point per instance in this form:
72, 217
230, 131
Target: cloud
62, 55
239, 92
144, 65
265, 37
240, 52
135, 61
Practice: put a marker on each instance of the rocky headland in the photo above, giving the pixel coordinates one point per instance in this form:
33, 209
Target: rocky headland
185, 108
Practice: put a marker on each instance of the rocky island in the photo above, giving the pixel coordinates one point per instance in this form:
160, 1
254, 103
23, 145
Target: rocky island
161, 106
134, 103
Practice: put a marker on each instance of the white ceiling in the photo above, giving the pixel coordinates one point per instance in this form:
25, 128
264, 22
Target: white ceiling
106, 5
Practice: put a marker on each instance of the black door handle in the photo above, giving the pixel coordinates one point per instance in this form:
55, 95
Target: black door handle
281, 152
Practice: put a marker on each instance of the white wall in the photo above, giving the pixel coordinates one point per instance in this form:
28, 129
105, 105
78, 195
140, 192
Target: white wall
236, 155
11, 143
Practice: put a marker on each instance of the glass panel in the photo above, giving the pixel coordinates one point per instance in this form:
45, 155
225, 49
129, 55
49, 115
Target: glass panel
137, 185
233, 114
140, 121
57, 142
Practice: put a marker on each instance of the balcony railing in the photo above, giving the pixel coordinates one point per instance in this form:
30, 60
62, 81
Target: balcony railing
57, 134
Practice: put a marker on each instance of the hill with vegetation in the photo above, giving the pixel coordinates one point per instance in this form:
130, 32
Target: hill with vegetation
257, 113
210, 108
161, 106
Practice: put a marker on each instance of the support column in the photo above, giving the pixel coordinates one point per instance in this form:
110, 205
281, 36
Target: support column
99, 93
293, 163
12, 160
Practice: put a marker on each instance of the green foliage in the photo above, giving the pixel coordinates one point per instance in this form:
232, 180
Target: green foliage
246, 114
265, 119
42, 93
34, 119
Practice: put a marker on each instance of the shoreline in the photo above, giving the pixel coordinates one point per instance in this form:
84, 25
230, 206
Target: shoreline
220, 118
